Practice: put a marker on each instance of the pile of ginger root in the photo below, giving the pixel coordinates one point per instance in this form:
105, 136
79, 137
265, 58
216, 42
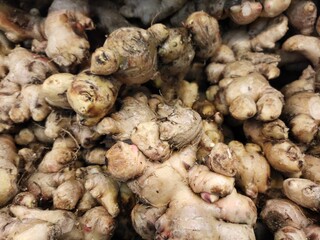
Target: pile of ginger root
157, 119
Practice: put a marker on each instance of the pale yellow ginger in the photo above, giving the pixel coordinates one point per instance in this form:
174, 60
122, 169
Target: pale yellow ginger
121, 124
210, 185
13, 228
287, 219
171, 123
29, 104
67, 195
244, 42
26, 199
90, 96
176, 54
63, 123
221, 159
95, 156
65, 221
274, 30
42, 185
20, 88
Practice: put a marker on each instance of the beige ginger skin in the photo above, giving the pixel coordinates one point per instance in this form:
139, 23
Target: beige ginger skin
130, 54
70, 17
9, 160
301, 108
92, 97
253, 170
127, 163
281, 153
304, 192
245, 93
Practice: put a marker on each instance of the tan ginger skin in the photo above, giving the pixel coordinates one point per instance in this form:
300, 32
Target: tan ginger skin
8, 171
273, 8
289, 232
54, 89
175, 56
278, 214
246, 12
22, 222
281, 153
205, 33
120, 124
92, 97
311, 169
304, 192
308, 46
239, 94
63, 15
142, 120
121, 159
21, 89
253, 170
244, 44
302, 16
130, 54
301, 108
60, 122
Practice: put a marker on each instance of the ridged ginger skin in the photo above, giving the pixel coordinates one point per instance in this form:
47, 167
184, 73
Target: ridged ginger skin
171, 184
130, 54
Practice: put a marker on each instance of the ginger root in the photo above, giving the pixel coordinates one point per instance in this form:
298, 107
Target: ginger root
281, 153
303, 192
253, 170
9, 160
205, 33
92, 97
150, 182
245, 94
302, 15
130, 54
70, 17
